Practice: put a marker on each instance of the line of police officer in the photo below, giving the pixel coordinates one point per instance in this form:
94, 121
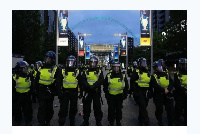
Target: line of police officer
160, 86
50, 80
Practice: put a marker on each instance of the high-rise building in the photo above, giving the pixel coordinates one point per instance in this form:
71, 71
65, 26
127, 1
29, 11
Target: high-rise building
130, 43
159, 18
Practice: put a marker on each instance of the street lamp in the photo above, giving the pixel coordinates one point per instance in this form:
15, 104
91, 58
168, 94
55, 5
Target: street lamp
124, 34
81, 34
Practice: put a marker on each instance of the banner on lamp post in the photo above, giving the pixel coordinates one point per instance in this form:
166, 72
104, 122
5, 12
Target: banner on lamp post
81, 45
145, 28
123, 46
63, 28
116, 52
87, 53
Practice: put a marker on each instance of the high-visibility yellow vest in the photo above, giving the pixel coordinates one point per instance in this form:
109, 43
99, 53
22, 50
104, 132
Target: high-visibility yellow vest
46, 76
116, 85
22, 84
183, 80
143, 80
69, 80
162, 81
92, 77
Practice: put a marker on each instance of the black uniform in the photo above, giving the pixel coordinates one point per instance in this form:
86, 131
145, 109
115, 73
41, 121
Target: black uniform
92, 93
115, 101
67, 94
45, 95
180, 98
160, 98
140, 95
22, 102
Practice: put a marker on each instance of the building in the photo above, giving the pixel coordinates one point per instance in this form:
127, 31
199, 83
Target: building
72, 42
159, 18
130, 43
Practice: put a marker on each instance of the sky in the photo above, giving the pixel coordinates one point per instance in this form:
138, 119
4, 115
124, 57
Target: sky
102, 30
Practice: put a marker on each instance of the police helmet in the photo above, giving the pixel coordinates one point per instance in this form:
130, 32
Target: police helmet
135, 64
162, 62
115, 64
38, 64
183, 63
93, 62
52, 56
157, 66
21, 67
142, 62
71, 61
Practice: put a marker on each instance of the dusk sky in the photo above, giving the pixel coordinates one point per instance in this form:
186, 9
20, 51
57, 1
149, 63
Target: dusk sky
102, 30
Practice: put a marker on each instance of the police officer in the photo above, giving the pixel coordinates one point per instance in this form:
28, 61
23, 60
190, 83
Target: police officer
21, 87
162, 62
115, 88
140, 87
38, 64
130, 74
92, 81
45, 85
180, 84
68, 81
162, 95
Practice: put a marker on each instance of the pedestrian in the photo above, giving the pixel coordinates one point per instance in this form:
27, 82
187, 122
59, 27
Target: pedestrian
141, 89
45, 87
68, 81
162, 95
180, 84
92, 81
21, 93
115, 88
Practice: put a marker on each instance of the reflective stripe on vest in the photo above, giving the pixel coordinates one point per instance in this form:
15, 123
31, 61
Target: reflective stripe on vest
46, 76
183, 80
92, 77
116, 86
70, 80
163, 82
143, 80
22, 84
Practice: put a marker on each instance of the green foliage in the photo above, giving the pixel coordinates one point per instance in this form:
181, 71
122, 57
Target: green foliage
26, 33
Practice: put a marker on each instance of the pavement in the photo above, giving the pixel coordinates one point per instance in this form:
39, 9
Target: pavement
129, 113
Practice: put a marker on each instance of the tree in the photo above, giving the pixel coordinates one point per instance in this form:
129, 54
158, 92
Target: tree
26, 34
175, 40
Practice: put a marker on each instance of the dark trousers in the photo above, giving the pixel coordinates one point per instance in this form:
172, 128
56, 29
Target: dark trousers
181, 108
142, 102
22, 104
45, 110
115, 107
96, 107
71, 97
161, 100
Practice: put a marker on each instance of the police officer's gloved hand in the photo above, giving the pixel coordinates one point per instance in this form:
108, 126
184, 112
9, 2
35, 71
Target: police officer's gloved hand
124, 96
60, 96
80, 95
149, 95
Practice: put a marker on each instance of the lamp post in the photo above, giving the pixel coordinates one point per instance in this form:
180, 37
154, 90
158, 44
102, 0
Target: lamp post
81, 34
125, 34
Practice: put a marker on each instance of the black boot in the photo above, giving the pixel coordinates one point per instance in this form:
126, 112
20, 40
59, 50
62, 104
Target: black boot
47, 123
72, 122
85, 123
98, 123
111, 123
118, 123
160, 123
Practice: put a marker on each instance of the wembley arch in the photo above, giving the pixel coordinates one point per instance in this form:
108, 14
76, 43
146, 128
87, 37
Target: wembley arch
109, 19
